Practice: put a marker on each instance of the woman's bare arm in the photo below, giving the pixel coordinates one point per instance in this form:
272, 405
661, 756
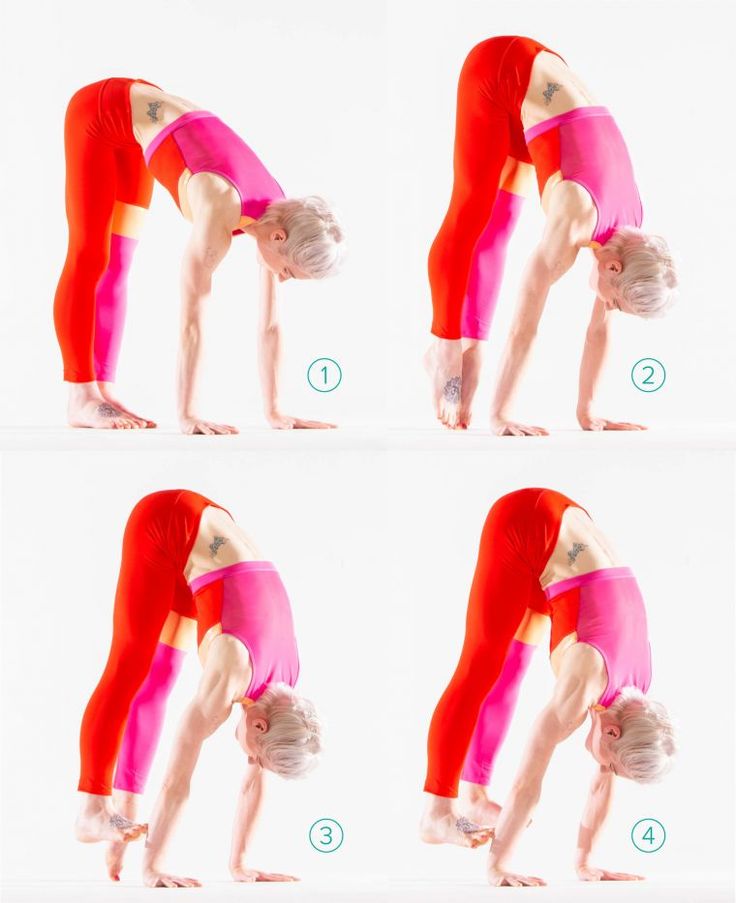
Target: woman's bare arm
224, 677
595, 353
549, 261
270, 350
597, 807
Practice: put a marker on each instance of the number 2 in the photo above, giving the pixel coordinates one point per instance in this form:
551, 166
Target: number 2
648, 381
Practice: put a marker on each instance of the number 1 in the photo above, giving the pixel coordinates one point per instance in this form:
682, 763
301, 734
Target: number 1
324, 370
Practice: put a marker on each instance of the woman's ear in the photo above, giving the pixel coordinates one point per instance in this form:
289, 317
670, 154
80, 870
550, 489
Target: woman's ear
615, 266
260, 725
278, 235
613, 731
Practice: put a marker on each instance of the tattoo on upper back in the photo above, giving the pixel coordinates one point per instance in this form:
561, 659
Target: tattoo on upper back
577, 548
152, 112
550, 90
215, 545
452, 389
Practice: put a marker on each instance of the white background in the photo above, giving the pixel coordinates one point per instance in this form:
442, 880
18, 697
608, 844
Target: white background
659, 68
378, 570
306, 91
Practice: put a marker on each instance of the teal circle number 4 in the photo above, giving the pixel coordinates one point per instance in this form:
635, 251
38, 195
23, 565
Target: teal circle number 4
648, 835
326, 835
324, 374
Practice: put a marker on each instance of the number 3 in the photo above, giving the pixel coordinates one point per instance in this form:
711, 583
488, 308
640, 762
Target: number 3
328, 831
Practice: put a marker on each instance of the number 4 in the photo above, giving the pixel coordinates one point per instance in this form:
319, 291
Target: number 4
649, 835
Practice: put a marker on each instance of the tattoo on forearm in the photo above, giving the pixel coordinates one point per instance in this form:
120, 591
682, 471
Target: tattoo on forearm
215, 545
107, 410
577, 548
452, 389
153, 110
550, 90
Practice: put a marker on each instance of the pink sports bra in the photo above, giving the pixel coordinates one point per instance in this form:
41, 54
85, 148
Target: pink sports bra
586, 146
250, 602
606, 610
200, 142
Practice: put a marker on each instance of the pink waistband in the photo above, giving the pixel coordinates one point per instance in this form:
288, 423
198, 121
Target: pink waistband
168, 129
556, 589
238, 568
579, 113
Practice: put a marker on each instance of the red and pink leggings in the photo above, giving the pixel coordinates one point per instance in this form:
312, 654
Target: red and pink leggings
473, 715
467, 258
105, 170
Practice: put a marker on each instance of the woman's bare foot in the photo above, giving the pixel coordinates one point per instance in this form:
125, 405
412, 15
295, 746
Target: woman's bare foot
107, 390
114, 855
451, 828
441, 823
125, 802
104, 824
475, 803
472, 361
88, 409
443, 362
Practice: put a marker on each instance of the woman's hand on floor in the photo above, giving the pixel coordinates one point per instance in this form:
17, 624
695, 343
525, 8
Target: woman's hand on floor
154, 878
509, 428
591, 873
500, 878
192, 426
599, 424
283, 422
249, 876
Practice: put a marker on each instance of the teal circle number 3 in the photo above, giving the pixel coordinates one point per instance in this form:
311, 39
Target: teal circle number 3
326, 835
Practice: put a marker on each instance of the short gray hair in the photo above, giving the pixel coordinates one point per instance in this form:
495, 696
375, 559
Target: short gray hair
646, 748
292, 744
315, 241
648, 279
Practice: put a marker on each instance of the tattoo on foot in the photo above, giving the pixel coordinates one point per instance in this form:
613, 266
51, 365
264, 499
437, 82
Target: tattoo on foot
120, 821
107, 410
215, 544
452, 389
152, 112
577, 548
466, 826
547, 94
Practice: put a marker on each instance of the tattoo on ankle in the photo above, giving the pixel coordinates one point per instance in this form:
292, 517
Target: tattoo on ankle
107, 410
215, 544
452, 389
120, 821
152, 112
577, 548
547, 94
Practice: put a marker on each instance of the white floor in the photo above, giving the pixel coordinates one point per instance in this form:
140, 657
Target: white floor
367, 437
347, 891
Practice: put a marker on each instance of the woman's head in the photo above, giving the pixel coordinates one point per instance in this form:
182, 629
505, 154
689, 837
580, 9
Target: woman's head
635, 273
300, 238
282, 732
634, 737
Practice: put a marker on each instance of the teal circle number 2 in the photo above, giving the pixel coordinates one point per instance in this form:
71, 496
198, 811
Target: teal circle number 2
326, 835
648, 835
324, 374
648, 374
